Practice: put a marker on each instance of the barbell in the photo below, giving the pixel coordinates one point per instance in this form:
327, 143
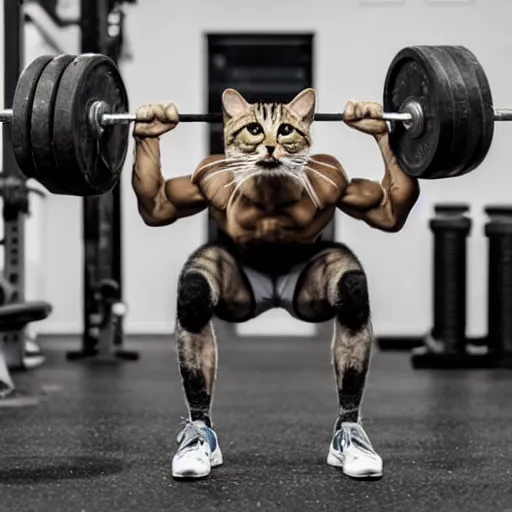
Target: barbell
70, 121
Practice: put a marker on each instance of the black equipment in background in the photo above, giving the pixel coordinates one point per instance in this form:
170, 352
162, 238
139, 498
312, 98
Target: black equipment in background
103, 308
15, 312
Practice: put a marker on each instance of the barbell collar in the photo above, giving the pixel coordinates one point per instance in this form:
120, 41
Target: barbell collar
5, 116
503, 114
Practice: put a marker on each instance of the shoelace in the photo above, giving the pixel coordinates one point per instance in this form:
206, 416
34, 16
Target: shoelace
190, 434
356, 437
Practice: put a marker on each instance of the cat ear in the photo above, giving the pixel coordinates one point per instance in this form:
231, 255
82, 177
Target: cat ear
234, 104
303, 105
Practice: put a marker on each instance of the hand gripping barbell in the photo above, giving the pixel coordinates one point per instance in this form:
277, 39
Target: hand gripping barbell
69, 119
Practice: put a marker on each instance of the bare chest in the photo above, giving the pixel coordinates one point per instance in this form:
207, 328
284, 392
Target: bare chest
270, 209
280, 206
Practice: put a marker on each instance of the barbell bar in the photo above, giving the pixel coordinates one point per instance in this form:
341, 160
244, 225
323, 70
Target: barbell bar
120, 118
500, 114
217, 118
70, 116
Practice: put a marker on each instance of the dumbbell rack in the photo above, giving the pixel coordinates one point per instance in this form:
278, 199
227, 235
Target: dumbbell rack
498, 231
446, 345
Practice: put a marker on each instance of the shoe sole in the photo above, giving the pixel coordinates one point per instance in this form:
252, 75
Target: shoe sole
215, 461
33, 361
334, 461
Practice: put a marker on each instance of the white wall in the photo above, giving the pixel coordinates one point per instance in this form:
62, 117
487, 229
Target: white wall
353, 47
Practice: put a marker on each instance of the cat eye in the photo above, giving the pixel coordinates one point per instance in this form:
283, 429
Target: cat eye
285, 129
254, 129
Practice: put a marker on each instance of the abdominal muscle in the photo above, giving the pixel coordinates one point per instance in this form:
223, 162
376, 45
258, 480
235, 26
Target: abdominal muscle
248, 224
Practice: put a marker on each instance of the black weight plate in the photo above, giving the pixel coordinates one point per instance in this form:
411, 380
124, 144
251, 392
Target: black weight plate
41, 133
22, 114
460, 112
480, 103
92, 164
414, 75
488, 108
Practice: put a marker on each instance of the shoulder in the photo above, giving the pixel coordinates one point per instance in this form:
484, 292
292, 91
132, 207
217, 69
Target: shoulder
327, 176
206, 166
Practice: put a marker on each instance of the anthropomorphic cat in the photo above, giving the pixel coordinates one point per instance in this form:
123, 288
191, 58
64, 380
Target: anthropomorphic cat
271, 199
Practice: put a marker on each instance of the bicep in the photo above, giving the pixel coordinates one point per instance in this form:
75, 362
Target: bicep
379, 207
177, 198
362, 195
184, 195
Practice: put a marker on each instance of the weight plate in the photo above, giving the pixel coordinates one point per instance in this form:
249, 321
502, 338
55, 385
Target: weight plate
416, 74
22, 114
92, 163
460, 112
480, 103
41, 133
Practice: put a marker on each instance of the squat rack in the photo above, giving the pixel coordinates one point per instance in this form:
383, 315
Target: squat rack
103, 308
102, 337
15, 312
14, 224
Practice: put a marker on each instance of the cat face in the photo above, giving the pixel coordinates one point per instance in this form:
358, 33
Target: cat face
271, 136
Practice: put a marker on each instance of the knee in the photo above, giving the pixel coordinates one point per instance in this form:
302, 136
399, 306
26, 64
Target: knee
195, 304
353, 307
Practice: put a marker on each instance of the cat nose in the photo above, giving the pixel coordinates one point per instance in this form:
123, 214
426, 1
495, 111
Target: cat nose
270, 149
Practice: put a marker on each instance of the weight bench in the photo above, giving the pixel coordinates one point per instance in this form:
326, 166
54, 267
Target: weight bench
14, 317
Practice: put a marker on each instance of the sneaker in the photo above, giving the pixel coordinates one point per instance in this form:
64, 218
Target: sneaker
198, 451
352, 451
33, 356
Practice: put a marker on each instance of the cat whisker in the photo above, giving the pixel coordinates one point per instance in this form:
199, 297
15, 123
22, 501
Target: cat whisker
320, 175
227, 161
325, 164
239, 184
295, 164
237, 179
229, 184
338, 169
311, 191
289, 166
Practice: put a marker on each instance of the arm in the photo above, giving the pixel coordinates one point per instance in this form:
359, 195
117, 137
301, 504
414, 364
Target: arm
385, 206
160, 202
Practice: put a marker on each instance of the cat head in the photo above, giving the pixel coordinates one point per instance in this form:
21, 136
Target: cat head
268, 135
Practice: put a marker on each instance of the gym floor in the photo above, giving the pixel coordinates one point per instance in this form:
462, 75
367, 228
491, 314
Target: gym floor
101, 437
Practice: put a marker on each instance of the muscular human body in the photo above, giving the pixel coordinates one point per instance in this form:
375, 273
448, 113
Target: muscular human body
271, 200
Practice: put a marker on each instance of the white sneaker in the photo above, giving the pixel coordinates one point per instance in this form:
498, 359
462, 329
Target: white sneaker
352, 451
34, 356
198, 451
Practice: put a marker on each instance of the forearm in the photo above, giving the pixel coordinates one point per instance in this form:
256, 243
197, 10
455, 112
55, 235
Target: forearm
401, 191
385, 205
147, 180
400, 188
